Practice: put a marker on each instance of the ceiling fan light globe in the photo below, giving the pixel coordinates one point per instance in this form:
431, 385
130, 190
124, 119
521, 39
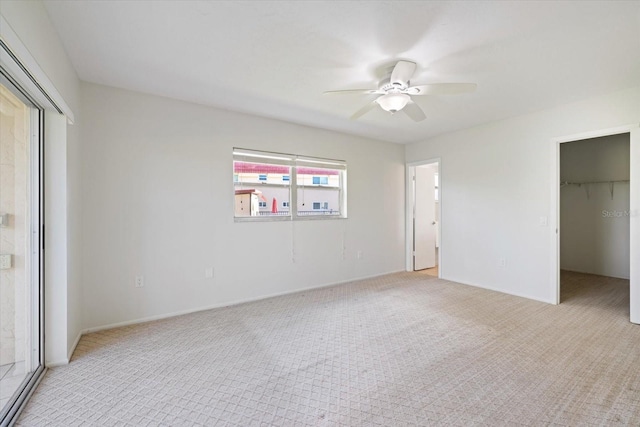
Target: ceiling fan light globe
393, 102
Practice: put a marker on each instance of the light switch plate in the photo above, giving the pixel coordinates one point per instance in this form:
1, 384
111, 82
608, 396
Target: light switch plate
4, 220
5, 261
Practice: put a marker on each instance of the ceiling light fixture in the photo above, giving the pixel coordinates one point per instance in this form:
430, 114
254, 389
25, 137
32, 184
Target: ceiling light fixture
395, 94
393, 102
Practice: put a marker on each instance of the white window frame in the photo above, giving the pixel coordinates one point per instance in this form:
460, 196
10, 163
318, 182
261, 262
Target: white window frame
294, 161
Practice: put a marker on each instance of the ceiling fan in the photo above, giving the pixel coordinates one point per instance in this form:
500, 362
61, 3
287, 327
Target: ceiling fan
395, 95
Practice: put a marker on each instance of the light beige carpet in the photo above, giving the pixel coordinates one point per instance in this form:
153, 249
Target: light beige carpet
431, 271
403, 349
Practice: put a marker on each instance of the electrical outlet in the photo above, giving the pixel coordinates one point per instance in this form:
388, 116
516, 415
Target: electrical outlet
208, 273
139, 281
502, 263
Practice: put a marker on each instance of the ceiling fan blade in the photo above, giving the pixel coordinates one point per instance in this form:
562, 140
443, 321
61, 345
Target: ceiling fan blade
414, 111
402, 72
352, 91
364, 110
442, 89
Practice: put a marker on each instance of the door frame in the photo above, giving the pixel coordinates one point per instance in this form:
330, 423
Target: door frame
410, 170
634, 207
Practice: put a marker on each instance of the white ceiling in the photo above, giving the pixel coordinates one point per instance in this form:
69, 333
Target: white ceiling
275, 58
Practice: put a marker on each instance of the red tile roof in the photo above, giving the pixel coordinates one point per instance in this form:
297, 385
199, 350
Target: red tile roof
260, 168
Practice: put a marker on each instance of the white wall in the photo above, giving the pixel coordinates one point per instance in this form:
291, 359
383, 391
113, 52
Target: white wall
30, 21
495, 184
594, 229
158, 202
56, 244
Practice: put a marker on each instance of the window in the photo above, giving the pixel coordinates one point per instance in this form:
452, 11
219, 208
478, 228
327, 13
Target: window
253, 193
316, 180
260, 194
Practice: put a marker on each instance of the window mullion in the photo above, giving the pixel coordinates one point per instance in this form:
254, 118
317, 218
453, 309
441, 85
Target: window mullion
343, 200
293, 190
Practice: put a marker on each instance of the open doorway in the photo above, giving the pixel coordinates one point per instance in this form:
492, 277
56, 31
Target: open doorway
594, 231
423, 222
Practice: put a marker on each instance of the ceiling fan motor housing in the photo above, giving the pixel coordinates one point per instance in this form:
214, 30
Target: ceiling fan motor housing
389, 87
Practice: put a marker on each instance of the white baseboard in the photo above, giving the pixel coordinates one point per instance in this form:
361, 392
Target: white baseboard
73, 347
225, 304
62, 362
54, 363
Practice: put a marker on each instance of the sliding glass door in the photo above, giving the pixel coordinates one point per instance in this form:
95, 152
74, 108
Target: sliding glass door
21, 332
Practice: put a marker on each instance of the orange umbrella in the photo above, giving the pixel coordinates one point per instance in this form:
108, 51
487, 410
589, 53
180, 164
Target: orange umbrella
274, 206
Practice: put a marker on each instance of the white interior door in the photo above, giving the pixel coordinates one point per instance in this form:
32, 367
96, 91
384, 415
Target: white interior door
424, 218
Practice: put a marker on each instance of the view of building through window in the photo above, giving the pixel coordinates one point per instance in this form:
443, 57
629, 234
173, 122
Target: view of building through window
264, 188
